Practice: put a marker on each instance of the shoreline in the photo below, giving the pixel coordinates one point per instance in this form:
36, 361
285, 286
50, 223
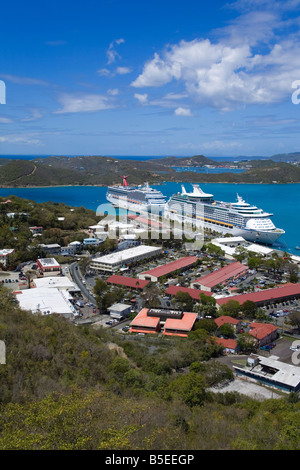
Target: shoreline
154, 183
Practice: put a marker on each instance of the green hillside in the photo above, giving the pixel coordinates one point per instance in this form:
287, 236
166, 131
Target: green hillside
103, 171
64, 387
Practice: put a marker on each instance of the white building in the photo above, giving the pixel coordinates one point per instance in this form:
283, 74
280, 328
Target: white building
119, 311
4, 256
46, 301
114, 261
60, 283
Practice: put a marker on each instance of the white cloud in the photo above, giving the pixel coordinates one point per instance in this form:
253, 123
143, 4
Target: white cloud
20, 139
123, 70
248, 63
111, 53
104, 72
183, 112
113, 91
143, 99
83, 103
23, 80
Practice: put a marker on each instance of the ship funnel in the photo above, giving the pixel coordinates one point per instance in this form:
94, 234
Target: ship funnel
124, 180
183, 191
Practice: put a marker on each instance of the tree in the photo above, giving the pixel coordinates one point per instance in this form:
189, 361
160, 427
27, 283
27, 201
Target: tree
100, 289
226, 330
230, 308
249, 309
184, 300
190, 388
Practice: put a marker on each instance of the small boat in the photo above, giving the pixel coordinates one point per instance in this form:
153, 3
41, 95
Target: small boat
297, 247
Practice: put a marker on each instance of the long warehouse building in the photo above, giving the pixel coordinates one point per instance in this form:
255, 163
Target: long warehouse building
114, 261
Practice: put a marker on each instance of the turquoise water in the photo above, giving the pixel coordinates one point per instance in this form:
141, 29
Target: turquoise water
283, 200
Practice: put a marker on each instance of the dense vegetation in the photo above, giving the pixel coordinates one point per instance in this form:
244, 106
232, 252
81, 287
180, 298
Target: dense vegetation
97, 170
15, 233
70, 387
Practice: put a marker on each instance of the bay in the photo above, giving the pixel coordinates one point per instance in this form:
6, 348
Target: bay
283, 200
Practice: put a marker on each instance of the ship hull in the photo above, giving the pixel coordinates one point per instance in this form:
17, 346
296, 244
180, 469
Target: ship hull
256, 236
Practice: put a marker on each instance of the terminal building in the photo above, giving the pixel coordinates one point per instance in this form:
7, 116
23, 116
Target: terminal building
117, 260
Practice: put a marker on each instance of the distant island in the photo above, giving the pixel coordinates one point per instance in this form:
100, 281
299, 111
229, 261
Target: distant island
104, 171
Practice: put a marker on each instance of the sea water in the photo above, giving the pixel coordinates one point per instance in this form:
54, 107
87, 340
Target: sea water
282, 200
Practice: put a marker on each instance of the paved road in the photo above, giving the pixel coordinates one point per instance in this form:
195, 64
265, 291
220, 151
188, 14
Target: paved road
77, 278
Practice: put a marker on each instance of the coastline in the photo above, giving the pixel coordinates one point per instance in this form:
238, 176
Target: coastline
151, 183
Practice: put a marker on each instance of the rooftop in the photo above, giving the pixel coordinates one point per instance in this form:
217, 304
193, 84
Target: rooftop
194, 293
126, 254
226, 319
261, 330
45, 301
48, 262
221, 275
127, 281
171, 267
264, 294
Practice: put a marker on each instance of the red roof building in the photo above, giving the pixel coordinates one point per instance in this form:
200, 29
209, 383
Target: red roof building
225, 319
167, 322
222, 276
264, 333
194, 293
166, 269
131, 282
229, 345
265, 296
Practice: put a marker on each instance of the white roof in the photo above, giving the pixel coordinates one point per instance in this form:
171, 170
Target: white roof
259, 249
229, 240
119, 307
45, 301
56, 282
126, 254
286, 373
48, 262
6, 252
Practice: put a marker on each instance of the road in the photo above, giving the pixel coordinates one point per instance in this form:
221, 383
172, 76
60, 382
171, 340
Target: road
77, 278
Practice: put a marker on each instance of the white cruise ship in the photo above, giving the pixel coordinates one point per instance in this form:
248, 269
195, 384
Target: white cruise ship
141, 198
237, 218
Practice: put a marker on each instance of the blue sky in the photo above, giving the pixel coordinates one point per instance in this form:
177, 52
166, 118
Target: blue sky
115, 77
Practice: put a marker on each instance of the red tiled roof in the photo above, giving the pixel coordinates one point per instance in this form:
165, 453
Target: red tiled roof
186, 323
227, 343
127, 281
226, 319
261, 330
170, 267
264, 295
194, 293
221, 275
142, 320
143, 323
